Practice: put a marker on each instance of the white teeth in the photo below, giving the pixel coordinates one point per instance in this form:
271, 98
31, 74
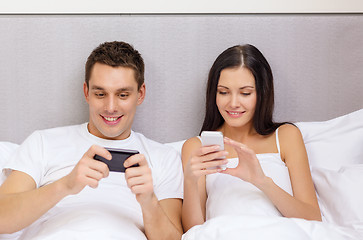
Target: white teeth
234, 113
111, 119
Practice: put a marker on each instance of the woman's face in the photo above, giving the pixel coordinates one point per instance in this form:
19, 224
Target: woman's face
236, 96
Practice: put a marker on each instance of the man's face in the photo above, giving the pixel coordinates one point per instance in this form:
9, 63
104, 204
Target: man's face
112, 97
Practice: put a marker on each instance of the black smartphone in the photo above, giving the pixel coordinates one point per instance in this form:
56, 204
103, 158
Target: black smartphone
116, 164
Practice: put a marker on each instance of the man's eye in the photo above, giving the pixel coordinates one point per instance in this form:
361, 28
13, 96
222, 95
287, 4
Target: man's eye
99, 94
123, 95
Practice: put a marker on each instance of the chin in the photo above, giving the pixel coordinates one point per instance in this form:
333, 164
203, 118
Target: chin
236, 124
111, 136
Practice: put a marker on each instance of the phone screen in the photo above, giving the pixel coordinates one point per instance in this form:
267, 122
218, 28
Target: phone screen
119, 156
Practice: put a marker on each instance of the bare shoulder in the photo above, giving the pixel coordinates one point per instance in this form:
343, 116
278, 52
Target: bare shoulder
291, 142
191, 143
189, 146
289, 132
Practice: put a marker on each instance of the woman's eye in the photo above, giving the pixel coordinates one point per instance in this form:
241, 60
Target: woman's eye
222, 93
246, 94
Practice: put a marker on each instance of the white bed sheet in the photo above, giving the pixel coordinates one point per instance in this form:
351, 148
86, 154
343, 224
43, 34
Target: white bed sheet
271, 228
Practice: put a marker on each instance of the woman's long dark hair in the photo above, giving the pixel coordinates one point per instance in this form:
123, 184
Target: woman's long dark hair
250, 57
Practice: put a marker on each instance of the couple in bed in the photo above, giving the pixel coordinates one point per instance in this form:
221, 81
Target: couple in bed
55, 188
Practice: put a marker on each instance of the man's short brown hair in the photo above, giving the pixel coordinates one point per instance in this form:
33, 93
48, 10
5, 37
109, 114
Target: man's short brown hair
116, 54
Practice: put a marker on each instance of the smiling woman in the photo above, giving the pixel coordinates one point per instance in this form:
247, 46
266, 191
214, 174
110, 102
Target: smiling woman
236, 95
267, 165
240, 76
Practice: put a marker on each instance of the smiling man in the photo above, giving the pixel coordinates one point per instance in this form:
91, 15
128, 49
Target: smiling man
56, 186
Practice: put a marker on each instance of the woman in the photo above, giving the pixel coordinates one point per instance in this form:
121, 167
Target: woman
267, 166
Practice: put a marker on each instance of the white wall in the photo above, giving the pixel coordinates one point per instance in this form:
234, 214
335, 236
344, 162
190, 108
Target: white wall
185, 6
316, 59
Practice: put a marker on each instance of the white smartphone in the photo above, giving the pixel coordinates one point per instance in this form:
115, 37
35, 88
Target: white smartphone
213, 138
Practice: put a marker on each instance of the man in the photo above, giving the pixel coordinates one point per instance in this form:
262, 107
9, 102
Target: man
57, 187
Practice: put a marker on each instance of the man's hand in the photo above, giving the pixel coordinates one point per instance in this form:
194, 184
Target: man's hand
139, 179
87, 172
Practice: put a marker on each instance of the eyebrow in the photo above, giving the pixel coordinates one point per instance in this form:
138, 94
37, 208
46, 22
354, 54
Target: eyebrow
239, 88
125, 89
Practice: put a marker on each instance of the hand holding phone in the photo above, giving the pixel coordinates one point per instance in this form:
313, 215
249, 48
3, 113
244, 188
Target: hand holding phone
119, 156
213, 138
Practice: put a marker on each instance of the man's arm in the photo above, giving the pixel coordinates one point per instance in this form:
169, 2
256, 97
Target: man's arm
21, 203
162, 219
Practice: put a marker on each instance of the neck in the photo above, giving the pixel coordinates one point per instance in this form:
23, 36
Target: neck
239, 134
94, 131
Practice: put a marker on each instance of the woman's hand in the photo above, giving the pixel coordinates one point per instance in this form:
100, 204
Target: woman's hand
204, 161
248, 168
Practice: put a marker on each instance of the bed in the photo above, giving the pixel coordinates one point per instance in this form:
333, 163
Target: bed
317, 64
335, 151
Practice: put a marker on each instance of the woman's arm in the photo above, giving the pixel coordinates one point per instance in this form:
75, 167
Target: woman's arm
196, 161
293, 152
303, 203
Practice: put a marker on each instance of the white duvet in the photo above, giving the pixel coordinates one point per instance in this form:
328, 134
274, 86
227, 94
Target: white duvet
268, 227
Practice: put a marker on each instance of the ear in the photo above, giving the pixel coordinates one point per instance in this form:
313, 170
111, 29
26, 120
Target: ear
141, 94
86, 92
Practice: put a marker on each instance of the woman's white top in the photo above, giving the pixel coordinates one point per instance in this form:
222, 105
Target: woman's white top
229, 195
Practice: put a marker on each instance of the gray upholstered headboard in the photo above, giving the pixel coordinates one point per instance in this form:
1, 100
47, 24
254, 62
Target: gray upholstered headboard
317, 61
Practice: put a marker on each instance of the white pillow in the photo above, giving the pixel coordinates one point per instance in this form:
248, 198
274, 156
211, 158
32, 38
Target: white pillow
334, 143
6, 149
341, 194
335, 152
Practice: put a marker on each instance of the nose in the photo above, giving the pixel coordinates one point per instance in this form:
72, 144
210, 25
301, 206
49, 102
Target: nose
111, 104
234, 101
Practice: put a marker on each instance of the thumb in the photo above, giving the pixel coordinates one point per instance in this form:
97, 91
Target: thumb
229, 171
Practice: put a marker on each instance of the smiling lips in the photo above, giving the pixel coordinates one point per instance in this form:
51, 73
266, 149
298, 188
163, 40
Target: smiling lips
111, 120
235, 114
